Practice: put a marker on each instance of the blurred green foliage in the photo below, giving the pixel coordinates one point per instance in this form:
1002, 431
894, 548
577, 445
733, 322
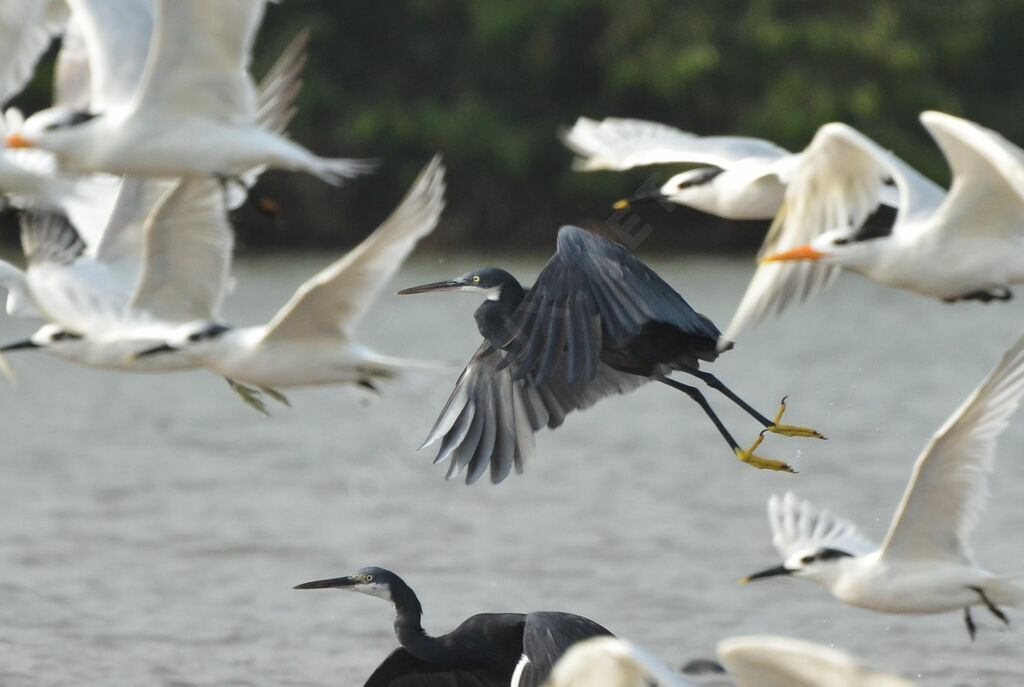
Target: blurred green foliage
488, 83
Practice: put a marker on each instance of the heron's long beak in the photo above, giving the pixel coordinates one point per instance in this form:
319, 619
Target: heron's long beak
27, 343
16, 140
341, 582
162, 348
770, 572
804, 252
641, 197
449, 285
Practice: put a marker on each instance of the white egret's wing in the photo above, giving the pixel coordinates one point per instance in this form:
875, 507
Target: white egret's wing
26, 29
616, 143
775, 661
333, 300
187, 254
116, 36
19, 301
800, 526
198, 62
836, 182
611, 662
80, 295
949, 485
987, 192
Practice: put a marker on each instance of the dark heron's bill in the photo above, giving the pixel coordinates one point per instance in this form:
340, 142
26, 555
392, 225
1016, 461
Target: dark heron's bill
326, 584
447, 285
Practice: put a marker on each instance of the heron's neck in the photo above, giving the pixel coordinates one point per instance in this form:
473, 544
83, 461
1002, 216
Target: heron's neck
410, 633
494, 316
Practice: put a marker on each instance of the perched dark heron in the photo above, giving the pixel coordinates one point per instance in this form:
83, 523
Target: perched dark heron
486, 650
596, 322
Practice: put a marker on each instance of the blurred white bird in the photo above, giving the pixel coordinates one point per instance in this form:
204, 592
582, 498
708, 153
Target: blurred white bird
26, 29
193, 111
740, 179
775, 661
309, 341
961, 245
611, 662
924, 565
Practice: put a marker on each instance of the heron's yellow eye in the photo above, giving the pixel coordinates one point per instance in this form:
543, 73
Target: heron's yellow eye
367, 578
476, 278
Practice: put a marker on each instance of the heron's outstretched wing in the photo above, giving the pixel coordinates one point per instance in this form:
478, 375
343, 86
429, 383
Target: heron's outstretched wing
333, 300
949, 485
617, 143
402, 669
490, 418
546, 637
837, 182
800, 526
592, 291
26, 29
198, 62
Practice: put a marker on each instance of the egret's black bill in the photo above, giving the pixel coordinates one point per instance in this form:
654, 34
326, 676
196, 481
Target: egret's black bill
770, 572
27, 343
641, 197
326, 584
447, 285
162, 348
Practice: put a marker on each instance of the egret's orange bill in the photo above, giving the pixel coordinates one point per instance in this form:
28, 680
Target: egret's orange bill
804, 252
15, 140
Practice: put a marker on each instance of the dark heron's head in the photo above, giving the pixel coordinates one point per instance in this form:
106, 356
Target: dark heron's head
486, 281
818, 565
373, 581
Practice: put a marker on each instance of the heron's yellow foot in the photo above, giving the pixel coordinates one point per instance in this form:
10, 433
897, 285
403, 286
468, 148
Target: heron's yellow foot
249, 395
791, 430
750, 458
276, 395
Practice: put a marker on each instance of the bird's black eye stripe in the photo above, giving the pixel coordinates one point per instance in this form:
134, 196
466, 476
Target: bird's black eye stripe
842, 241
66, 336
807, 559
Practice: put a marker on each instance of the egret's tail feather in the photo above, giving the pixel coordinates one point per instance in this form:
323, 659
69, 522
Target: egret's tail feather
336, 170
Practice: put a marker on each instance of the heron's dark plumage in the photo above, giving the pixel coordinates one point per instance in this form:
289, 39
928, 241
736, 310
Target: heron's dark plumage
596, 322
482, 651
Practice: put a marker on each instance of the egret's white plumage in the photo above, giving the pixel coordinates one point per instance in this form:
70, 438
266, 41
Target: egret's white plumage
775, 661
962, 244
26, 29
309, 341
193, 111
924, 565
747, 184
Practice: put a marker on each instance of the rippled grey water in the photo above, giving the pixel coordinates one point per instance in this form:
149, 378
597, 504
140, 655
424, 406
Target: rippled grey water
151, 527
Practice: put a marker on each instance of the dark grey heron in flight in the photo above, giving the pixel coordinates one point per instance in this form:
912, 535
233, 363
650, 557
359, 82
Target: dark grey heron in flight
485, 650
596, 322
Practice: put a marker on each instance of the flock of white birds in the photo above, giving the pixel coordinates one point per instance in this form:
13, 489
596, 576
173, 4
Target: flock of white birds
157, 130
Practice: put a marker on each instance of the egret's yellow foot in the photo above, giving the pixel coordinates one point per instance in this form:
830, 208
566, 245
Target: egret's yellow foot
750, 458
276, 395
791, 430
249, 395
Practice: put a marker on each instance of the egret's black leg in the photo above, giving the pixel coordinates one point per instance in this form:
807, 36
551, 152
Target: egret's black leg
995, 610
747, 456
969, 621
771, 425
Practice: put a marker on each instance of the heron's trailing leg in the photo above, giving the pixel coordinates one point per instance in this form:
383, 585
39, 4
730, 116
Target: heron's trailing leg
746, 455
249, 395
276, 395
771, 425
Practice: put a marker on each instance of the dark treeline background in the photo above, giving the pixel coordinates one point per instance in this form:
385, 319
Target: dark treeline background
488, 83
